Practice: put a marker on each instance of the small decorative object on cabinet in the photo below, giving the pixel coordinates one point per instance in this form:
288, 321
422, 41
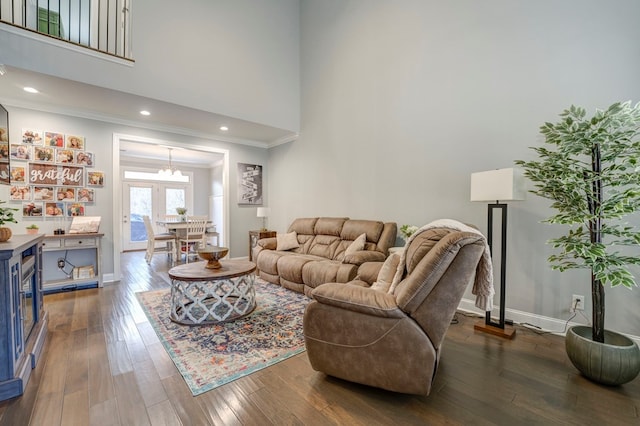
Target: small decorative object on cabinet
254, 236
22, 312
71, 262
6, 216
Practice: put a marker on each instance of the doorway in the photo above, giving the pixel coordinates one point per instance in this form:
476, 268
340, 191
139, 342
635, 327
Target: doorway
213, 171
155, 200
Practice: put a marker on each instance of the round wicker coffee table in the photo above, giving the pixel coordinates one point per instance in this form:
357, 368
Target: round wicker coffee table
202, 296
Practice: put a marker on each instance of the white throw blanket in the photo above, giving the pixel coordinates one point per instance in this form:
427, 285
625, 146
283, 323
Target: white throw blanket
483, 283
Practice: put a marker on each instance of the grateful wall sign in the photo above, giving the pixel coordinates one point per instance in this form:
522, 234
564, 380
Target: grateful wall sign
50, 174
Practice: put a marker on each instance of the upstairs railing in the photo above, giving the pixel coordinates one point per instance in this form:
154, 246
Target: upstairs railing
103, 25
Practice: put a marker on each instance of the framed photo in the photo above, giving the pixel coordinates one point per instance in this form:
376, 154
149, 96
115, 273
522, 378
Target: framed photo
53, 209
95, 178
43, 193
20, 152
65, 156
84, 158
32, 209
20, 193
74, 142
64, 193
33, 137
54, 139
44, 154
75, 209
86, 195
84, 225
249, 184
19, 174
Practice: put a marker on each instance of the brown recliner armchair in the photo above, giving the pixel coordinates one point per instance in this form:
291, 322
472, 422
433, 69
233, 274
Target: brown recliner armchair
392, 340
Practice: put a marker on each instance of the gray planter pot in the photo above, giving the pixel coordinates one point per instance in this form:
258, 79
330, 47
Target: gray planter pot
614, 362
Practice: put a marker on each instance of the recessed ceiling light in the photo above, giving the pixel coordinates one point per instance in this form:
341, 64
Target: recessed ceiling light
145, 112
30, 90
224, 128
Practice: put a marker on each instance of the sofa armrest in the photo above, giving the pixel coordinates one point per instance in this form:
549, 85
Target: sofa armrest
358, 299
369, 271
359, 257
268, 243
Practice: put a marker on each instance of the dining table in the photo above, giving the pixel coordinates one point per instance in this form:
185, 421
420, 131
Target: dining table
179, 227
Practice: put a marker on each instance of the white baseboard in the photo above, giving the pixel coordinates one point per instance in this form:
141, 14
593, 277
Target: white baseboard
548, 324
108, 278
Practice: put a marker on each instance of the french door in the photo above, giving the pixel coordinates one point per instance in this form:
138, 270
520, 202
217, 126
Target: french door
151, 199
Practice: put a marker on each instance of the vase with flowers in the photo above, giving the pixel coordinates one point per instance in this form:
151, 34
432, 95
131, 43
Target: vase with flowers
182, 211
407, 230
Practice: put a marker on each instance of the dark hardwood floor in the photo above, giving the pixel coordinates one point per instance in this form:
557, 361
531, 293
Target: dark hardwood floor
103, 365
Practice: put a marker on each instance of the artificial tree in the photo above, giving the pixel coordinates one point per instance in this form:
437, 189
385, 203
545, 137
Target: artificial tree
590, 170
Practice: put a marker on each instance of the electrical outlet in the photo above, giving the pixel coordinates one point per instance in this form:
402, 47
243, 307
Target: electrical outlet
577, 303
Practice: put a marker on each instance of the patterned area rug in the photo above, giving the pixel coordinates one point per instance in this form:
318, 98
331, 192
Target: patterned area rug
212, 355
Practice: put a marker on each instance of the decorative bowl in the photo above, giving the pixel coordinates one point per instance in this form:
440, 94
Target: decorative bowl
212, 255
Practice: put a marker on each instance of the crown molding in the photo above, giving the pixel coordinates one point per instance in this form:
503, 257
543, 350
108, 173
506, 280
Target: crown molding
283, 140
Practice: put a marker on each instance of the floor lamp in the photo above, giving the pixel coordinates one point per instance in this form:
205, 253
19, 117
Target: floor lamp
498, 185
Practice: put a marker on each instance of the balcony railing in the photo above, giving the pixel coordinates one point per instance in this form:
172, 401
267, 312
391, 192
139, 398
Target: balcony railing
102, 25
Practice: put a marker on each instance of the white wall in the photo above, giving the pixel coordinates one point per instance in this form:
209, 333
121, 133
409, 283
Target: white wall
99, 136
402, 101
237, 58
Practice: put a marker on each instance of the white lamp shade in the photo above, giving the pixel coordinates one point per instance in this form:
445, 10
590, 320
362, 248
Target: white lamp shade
263, 212
497, 185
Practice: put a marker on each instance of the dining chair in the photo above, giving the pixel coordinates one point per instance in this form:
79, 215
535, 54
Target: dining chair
152, 238
205, 239
211, 233
193, 238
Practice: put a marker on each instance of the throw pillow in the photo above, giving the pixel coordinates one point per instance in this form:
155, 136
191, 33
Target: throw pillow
287, 241
386, 274
356, 245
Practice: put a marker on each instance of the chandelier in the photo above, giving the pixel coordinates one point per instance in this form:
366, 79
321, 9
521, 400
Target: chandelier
169, 170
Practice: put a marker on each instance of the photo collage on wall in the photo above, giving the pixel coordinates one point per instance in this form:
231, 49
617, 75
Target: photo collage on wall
52, 174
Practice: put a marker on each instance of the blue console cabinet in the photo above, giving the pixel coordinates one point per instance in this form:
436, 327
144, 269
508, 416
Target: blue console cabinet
23, 320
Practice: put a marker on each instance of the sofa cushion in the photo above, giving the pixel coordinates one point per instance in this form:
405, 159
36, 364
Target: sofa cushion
330, 226
327, 271
267, 260
303, 225
287, 241
353, 228
290, 267
324, 246
356, 245
386, 274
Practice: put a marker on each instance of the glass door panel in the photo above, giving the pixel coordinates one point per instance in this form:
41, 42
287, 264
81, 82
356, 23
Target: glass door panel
139, 201
151, 199
174, 198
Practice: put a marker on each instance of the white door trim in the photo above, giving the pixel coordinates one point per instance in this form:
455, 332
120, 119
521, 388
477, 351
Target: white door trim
117, 186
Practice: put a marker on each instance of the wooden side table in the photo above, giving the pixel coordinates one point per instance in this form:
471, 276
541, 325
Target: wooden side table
254, 236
